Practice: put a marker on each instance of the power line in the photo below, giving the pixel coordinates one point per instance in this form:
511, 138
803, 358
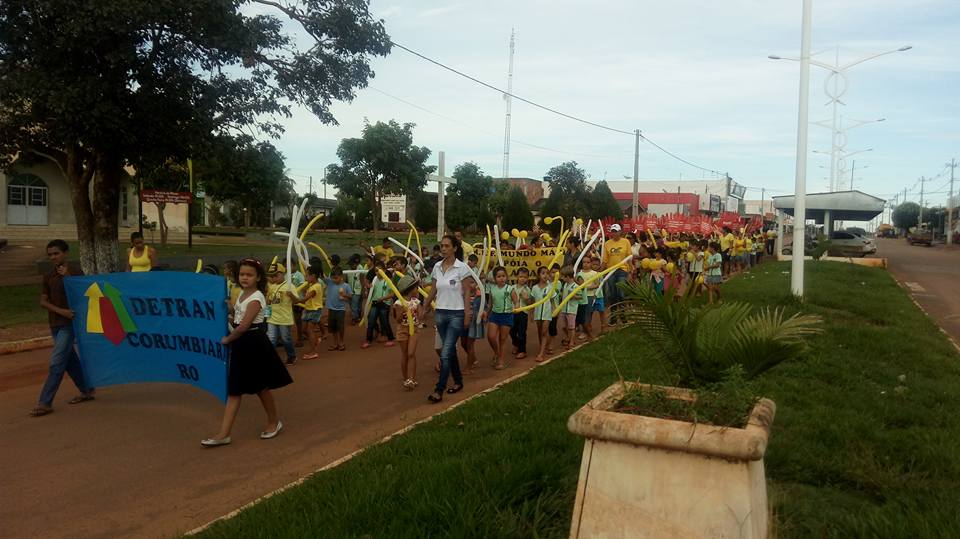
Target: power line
677, 157
464, 124
548, 109
492, 87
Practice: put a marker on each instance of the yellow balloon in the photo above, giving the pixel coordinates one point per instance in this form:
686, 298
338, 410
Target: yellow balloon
700, 279
505, 235
670, 267
579, 221
645, 263
691, 257
515, 233
662, 263
523, 234
548, 220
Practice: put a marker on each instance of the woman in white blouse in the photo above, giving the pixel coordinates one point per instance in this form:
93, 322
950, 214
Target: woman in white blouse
452, 281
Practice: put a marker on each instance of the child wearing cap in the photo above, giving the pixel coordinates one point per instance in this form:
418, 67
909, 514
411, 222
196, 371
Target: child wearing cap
407, 333
280, 298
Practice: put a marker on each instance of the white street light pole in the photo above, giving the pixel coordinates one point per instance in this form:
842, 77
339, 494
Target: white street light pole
800, 188
838, 71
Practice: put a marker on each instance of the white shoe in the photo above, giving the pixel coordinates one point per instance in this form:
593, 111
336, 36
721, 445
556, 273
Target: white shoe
267, 435
213, 442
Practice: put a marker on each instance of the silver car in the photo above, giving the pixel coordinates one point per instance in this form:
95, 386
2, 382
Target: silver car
848, 243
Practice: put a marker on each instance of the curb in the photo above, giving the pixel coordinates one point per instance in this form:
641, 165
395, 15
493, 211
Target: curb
12, 347
387, 438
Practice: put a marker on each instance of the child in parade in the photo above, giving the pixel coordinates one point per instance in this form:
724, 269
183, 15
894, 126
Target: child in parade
518, 333
313, 310
338, 296
230, 274
255, 367
585, 311
279, 311
477, 329
355, 280
552, 327
542, 313
379, 317
599, 305
499, 314
568, 314
63, 357
714, 273
408, 342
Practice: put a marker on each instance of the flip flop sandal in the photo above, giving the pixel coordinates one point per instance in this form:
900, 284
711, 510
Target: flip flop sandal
341, 348
81, 398
310, 356
331, 348
38, 411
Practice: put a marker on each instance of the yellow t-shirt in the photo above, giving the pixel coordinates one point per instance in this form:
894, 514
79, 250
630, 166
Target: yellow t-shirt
316, 302
615, 251
281, 306
234, 291
726, 242
467, 250
385, 250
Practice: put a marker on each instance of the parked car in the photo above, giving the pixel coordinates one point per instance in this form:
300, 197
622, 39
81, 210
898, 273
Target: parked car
849, 243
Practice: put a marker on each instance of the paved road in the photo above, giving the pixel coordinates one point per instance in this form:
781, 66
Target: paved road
129, 464
931, 275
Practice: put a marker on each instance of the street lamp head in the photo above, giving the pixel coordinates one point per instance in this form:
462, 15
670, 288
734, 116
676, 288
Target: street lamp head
908, 47
774, 57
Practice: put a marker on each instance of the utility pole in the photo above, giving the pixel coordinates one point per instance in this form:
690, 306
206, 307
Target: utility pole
763, 191
852, 168
310, 190
324, 180
636, 175
678, 199
920, 217
949, 230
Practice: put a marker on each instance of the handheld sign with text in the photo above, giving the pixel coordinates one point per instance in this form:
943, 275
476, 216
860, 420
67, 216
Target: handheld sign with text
151, 327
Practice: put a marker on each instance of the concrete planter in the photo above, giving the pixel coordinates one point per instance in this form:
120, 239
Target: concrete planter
658, 478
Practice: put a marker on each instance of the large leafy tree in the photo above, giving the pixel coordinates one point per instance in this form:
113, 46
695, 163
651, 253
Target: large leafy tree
906, 215
602, 202
249, 175
468, 199
96, 86
383, 161
569, 194
516, 211
425, 211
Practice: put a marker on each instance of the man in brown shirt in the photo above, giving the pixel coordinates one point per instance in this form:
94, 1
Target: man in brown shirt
64, 358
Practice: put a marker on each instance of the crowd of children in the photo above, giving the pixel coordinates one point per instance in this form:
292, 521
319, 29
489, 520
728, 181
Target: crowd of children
313, 307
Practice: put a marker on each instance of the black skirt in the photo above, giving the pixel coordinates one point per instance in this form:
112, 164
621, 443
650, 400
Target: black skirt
255, 365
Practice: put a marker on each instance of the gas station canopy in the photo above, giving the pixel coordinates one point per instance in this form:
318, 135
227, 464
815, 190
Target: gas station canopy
824, 208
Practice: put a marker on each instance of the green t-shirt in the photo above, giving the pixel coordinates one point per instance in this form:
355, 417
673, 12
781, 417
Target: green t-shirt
545, 309
586, 276
571, 306
501, 300
520, 290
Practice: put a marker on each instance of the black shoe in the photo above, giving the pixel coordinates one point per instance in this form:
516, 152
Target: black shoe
455, 389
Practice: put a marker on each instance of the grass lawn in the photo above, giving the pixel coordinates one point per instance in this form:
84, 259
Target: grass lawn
854, 452
20, 305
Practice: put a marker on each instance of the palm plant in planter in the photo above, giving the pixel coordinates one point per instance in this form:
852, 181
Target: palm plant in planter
686, 461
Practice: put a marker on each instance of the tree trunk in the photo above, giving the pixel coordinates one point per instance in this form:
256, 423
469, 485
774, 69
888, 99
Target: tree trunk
376, 211
105, 212
79, 172
162, 222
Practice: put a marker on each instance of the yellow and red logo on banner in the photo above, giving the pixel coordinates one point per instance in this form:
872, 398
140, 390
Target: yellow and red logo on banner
106, 313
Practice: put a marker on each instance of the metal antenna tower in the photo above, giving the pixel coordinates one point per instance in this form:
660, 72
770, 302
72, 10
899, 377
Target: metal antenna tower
506, 97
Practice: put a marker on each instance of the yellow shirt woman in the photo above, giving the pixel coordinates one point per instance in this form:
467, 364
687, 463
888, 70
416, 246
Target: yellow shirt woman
143, 262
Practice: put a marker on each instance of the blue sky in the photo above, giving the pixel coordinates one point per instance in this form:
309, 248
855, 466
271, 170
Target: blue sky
692, 75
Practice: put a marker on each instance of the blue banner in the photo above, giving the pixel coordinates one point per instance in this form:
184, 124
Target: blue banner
151, 327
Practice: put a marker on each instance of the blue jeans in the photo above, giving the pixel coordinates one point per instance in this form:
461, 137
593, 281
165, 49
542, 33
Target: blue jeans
355, 300
449, 327
285, 335
614, 295
63, 359
379, 319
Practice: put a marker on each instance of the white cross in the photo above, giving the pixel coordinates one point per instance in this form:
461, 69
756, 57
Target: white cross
440, 179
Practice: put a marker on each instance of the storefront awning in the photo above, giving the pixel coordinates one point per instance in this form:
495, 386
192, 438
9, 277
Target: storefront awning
842, 205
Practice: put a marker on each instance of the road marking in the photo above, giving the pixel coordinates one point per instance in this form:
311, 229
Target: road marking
915, 287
